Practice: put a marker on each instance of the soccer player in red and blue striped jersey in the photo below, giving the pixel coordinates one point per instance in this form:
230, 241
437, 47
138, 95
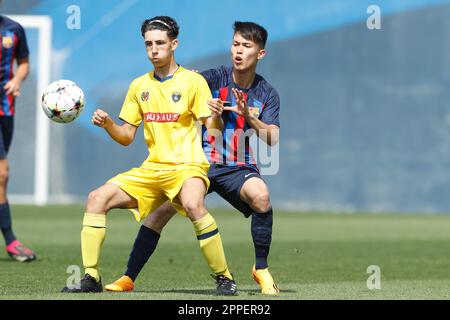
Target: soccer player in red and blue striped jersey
247, 102
13, 47
261, 103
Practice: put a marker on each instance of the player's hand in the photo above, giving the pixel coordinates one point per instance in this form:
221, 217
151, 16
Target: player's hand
100, 118
12, 87
216, 106
241, 107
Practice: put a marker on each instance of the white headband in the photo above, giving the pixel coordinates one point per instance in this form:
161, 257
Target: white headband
162, 22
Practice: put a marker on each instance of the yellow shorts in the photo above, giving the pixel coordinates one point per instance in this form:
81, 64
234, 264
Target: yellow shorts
151, 188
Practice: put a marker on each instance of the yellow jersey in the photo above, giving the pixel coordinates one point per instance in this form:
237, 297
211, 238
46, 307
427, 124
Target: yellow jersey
170, 108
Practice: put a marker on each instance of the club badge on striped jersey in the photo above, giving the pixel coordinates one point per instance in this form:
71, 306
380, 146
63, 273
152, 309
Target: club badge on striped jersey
7, 42
257, 108
176, 96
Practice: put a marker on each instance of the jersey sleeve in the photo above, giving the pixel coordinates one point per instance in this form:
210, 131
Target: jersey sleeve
199, 104
131, 111
22, 46
271, 111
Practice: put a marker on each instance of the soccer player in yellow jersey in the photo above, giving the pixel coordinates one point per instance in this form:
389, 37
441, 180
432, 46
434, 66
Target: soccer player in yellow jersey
233, 174
169, 101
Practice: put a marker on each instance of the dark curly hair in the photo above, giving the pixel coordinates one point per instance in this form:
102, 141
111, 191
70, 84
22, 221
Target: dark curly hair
163, 23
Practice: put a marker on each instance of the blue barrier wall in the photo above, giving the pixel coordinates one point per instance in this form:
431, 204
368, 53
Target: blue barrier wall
365, 113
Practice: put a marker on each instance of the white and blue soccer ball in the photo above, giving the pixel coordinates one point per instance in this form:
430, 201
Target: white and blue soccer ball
63, 101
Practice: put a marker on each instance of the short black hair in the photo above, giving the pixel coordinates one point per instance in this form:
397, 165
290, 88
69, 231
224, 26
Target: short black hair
163, 23
251, 31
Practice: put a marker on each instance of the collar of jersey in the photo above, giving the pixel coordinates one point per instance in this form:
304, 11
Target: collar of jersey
240, 88
244, 89
165, 78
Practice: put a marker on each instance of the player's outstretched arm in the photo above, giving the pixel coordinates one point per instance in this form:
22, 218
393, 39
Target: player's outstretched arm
123, 134
269, 133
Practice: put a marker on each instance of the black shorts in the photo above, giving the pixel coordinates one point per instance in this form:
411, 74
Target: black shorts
6, 133
227, 181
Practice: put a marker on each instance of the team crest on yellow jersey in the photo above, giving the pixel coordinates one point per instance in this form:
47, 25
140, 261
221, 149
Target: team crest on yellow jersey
144, 96
7, 42
176, 96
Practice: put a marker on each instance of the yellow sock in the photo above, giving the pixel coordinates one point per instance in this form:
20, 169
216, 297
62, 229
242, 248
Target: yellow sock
211, 245
92, 237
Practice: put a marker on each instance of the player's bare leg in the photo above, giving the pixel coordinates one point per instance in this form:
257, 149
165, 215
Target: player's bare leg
107, 197
192, 197
159, 218
99, 202
15, 249
256, 194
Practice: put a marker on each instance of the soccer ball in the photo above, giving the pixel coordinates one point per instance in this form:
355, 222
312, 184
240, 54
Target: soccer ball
63, 101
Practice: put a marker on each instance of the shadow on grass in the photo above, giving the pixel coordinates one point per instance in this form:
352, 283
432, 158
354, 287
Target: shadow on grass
26, 262
251, 292
9, 260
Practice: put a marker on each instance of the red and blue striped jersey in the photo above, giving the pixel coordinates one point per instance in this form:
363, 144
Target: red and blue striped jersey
262, 99
13, 46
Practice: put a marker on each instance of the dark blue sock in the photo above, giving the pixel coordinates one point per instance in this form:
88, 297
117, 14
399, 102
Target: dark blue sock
262, 237
143, 247
5, 223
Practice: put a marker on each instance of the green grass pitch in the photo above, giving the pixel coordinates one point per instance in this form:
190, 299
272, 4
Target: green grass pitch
313, 256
